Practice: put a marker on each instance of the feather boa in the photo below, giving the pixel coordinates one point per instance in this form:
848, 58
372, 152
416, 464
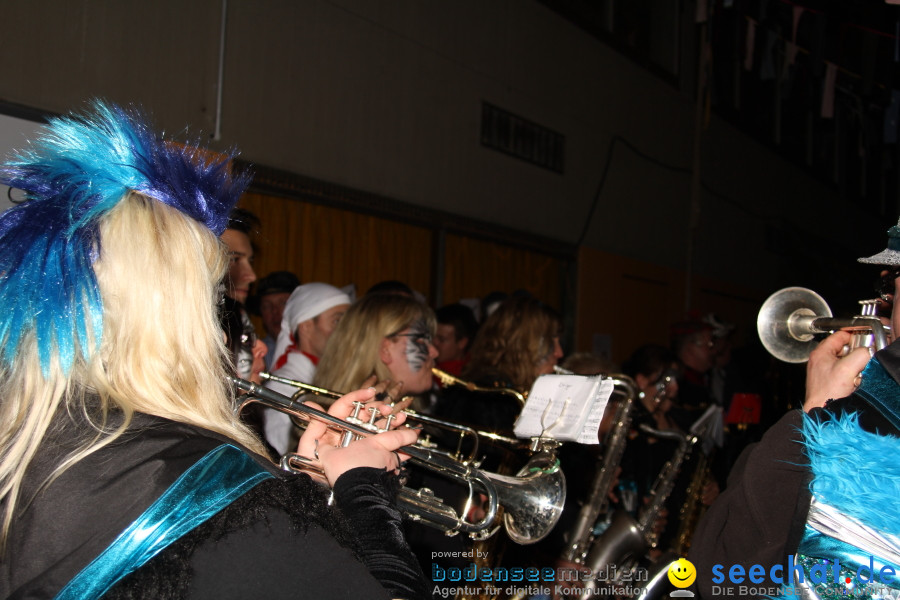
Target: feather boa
855, 471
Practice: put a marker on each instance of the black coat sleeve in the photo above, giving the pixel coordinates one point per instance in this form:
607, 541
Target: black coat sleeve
366, 498
754, 521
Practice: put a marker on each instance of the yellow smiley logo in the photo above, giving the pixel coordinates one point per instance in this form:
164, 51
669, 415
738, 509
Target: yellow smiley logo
682, 573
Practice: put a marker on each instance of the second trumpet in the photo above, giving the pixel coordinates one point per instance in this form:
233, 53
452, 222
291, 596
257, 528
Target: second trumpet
532, 501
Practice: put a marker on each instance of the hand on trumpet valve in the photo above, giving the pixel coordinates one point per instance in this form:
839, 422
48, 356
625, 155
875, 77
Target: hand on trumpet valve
389, 392
833, 371
338, 454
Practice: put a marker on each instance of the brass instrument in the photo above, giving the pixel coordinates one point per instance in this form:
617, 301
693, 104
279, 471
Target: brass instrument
532, 501
692, 508
789, 320
626, 538
464, 433
447, 379
302, 388
581, 537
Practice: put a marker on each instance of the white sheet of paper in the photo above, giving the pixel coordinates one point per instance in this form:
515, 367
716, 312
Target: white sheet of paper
565, 407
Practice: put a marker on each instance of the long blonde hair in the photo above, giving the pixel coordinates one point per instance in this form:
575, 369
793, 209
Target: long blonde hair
161, 353
351, 354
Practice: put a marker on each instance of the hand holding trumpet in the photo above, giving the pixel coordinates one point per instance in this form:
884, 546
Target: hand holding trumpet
380, 450
830, 373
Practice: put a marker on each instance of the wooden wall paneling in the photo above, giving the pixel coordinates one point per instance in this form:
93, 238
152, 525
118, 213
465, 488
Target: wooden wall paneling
475, 267
636, 303
321, 243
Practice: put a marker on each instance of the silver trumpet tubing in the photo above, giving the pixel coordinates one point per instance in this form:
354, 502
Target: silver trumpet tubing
581, 536
468, 439
532, 502
791, 318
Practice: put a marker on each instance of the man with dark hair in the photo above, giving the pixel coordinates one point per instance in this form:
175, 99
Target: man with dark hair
272, 293
249, 350
456, 330
241, 223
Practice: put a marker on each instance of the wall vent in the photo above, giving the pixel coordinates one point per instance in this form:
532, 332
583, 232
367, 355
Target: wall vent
511, 134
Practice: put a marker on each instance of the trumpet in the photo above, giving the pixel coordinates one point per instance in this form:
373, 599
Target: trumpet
447, 379
789, 320
464, 433
532, 500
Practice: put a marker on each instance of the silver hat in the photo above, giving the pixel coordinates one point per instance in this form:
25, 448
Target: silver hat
890, 256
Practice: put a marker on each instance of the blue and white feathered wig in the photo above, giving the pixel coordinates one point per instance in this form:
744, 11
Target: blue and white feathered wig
79, 168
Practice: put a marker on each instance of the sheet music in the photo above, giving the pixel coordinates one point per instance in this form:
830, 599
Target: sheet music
565, 407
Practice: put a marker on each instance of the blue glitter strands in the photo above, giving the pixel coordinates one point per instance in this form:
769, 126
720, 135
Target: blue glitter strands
79, 169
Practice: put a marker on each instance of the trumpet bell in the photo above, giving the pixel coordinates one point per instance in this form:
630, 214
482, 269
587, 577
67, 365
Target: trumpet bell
784, 321
532, 500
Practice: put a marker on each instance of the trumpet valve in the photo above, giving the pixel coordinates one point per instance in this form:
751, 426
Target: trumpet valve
354, 416
869, 308
425, 442
374, 413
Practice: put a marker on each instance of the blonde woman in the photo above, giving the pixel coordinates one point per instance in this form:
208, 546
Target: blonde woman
383, 337
123, 470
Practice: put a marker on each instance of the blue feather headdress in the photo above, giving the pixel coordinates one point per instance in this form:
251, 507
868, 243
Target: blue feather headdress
74, 173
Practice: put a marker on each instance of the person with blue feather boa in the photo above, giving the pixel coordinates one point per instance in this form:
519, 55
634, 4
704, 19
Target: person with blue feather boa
814, 504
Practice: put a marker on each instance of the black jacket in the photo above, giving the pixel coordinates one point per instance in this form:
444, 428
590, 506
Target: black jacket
277, 540
760, 516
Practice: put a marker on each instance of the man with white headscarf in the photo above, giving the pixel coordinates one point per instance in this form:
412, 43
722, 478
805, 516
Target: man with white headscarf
310, 316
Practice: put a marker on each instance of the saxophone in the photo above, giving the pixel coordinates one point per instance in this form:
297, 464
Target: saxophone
626, 537
693, 507
580, 539
665, 481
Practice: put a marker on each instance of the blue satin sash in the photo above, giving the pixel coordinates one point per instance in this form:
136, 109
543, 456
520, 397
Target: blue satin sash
211, 484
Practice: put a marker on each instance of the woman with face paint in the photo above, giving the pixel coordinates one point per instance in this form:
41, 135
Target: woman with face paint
385, 336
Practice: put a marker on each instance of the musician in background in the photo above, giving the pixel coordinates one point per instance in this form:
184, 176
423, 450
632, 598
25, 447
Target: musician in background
693, 345
655, 371
272, 293
241, 223
310, 316
125, 469
249, 351
456, 329
517, 343
382, 337
820, 472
